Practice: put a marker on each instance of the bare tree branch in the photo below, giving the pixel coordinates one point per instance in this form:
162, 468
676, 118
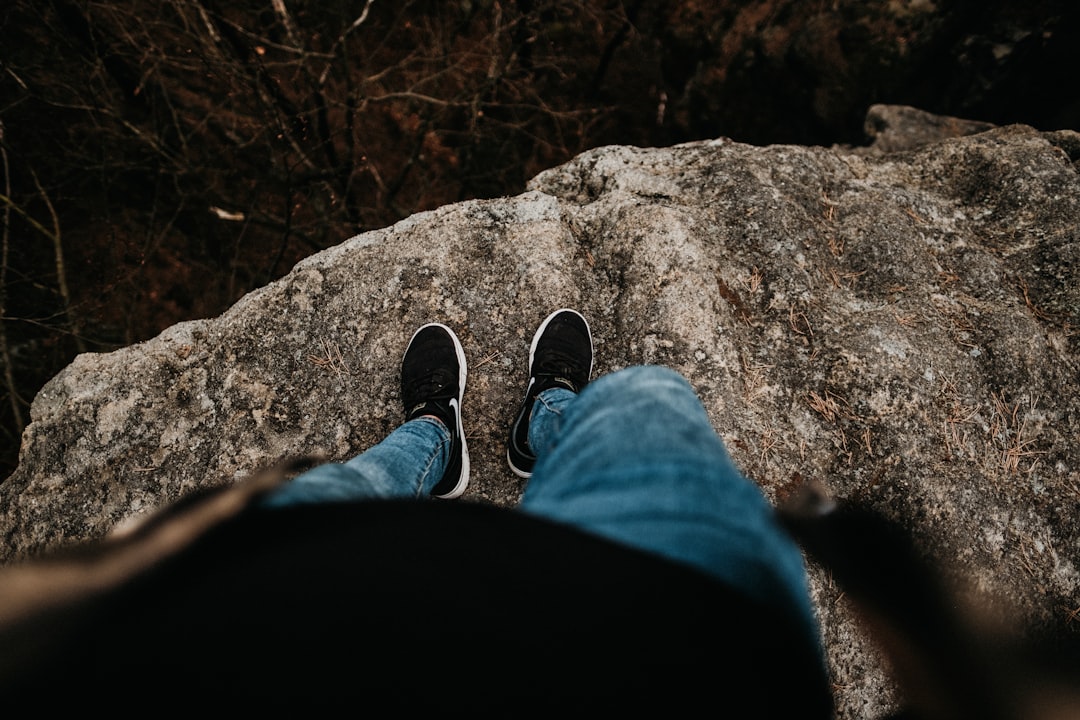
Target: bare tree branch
61, 269
286, 21
341, 39
9, 370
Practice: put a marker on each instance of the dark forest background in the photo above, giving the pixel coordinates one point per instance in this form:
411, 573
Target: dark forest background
161, 158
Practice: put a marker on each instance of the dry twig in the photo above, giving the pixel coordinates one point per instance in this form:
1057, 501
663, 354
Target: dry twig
331, 358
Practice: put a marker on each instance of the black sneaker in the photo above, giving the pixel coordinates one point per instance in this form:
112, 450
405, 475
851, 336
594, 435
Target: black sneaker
561, 356
433, 383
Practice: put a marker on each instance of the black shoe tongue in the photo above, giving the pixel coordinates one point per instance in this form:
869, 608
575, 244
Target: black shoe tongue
432, 407
565, 382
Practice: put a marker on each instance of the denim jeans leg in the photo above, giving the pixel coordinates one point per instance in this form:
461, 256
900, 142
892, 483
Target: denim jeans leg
635, 459
409, 462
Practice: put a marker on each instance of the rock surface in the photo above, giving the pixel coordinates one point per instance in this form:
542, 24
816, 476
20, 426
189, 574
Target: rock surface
898, 321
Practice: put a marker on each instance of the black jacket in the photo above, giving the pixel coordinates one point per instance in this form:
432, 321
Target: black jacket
392, 606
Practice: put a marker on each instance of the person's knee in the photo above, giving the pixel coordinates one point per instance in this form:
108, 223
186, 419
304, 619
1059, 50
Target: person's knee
642, 378
640, 400
641, 385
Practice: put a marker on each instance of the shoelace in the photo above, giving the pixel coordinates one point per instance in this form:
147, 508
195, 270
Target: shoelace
557, 363
431, 388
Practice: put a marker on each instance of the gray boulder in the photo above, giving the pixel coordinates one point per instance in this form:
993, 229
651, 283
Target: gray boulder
899, 322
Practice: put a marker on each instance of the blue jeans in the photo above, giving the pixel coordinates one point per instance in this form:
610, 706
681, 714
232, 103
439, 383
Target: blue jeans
633, 458
409, 462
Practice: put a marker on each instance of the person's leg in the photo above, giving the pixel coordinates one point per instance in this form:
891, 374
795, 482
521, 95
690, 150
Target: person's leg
634, 458
409, 462
427, 455
561, 356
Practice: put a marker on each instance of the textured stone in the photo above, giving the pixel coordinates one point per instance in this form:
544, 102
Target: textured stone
898, 322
